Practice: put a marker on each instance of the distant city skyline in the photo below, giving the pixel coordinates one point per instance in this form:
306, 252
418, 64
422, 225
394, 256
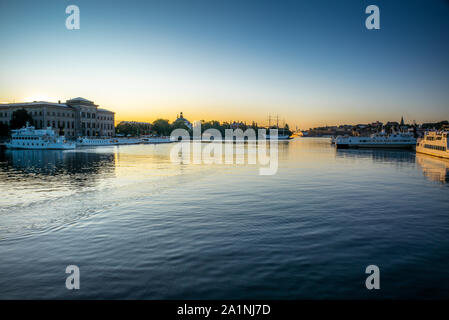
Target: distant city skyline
313, 63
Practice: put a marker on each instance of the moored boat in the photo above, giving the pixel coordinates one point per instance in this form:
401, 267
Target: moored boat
151, 140
95, 141
280, 137
42, 139
435, 144
381, 140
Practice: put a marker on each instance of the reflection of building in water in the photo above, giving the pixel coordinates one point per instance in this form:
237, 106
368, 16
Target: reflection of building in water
56, 166
435, 169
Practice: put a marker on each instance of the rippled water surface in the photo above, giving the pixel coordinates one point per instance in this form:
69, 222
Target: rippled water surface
141, 227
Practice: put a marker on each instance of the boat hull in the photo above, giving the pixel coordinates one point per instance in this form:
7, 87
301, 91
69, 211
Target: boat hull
435, 153
156, 140
374, 146
45, 147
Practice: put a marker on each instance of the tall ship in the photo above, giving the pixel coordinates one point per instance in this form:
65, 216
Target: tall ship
435, 144
379, 140
43, 139
282, 135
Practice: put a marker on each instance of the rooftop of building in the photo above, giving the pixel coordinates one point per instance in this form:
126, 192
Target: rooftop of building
67, 104
105, 110
31, 104
80, 99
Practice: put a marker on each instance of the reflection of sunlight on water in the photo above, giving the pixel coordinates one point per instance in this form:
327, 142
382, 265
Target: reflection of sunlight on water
44, 189
433, 168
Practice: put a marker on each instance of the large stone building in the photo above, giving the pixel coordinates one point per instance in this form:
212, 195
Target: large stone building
76, 117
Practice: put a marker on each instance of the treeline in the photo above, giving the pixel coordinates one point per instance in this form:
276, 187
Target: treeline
437, 125
163, 127
160, 127
18, 120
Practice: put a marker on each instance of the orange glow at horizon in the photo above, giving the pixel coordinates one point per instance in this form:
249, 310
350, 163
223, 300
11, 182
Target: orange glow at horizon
148, 108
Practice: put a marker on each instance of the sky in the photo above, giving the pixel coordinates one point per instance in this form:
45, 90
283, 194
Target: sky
312, 63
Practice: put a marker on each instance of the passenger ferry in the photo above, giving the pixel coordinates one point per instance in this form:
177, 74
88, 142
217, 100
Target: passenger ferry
43, 139
435, 144
381, 140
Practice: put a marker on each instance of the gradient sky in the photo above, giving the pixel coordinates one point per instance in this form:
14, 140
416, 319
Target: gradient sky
311, 62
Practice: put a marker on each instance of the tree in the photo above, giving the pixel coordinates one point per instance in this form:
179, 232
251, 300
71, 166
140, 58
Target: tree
287, 130
4, 129
161, 127
20, 118
179, 124
133, 128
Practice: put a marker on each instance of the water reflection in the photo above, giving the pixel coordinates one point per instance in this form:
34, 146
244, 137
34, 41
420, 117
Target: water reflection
156, 224
55, 162
378, 155
28, 173
434, 169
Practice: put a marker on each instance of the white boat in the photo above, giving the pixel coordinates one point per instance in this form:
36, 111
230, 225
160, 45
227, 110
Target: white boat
148, 140
95, 141
280, 137
435, 144
129, 140
42, 139
380, 140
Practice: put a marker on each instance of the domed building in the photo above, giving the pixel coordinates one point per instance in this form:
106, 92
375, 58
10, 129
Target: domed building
180, 117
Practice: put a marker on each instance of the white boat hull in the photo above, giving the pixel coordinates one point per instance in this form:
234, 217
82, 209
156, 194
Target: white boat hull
375, 145
280, 137
395, 141
436, 153
86, 142
157, 140
49, 146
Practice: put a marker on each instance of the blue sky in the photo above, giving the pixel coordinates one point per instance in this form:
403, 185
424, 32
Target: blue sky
311, 62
